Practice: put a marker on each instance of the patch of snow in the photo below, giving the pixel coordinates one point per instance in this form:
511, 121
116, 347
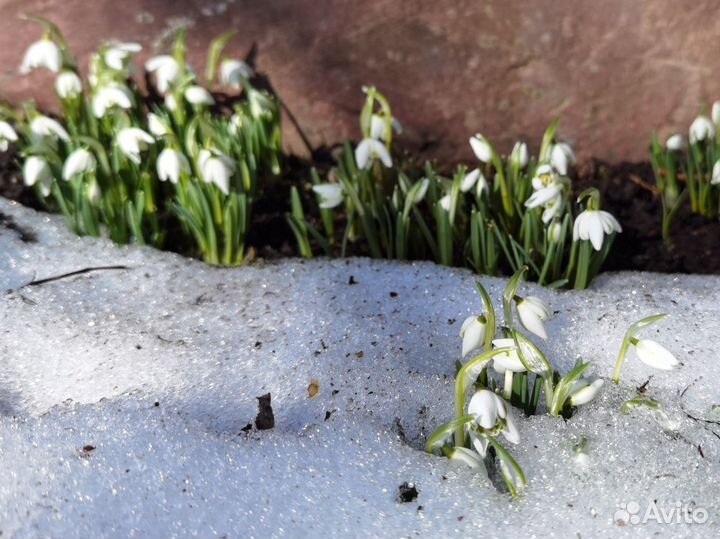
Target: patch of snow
84, 360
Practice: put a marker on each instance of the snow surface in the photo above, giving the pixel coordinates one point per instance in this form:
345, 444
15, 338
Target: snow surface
158, 368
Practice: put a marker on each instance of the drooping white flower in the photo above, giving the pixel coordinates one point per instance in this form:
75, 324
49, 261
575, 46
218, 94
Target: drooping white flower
370, 149
445, 202
488, 409
467, 457
197, 95
37, 171
118, 55
68, 85
165, 69
93, 191
171, 102
419, 192
7, 135
132, 141
216, 168
544, 195
715, 114
43, 128
507, 361
562, 155
533, 311
554, 232
43, 53
715, 173
171, 164
234, 72
111, 95
481, 148
470, 180
78, 162
583, 391
654, 354
473, 333
594, 225
519, 155
674, 142
156, 126
260, 104
702, 128
330, 194
481, 186
553, 208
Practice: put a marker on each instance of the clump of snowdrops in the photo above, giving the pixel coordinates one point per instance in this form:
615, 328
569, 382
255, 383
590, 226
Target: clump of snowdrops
134, 166
501, 213
689, 171
506, 370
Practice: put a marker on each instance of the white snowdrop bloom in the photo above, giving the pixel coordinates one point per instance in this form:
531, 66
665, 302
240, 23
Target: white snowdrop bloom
654, 354
165, 69
467, 457
562, 155
508, 361
702, 128
533, 311
377, 127
235, 124
470, 180
715, 114
170, 102
445, 202
197, 95
481, 148
43, 53
370, 149
593, 225
583, 391
68, 85
109, 96
488, 408
156, 126
216, 168
544, 176
544, 195
481, 186
118, 55
519, 155
37, 171
420, 191
554, 232
78, 162
43, 127
553, 208
93, 192
330, 194
234, 72
674, 142
7, 135
260, 104
473, 333
715, 173
132, 141
171, 164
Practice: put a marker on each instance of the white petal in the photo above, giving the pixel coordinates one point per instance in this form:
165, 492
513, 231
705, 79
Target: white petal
674, 142
331, 194
484, 406
466, 456
78, 162
481, 148
473, 335
586, 393
530, 320
469, 180
197, 95
655, 355
362, 154
544, 195
716, 173
511, 432
715, 114
380, 151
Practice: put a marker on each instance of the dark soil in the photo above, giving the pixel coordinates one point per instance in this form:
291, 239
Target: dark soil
627, 190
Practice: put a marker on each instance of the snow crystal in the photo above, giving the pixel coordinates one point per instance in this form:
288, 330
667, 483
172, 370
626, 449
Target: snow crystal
128, 397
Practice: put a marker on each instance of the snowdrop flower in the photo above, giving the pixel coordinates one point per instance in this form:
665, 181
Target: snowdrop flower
197, 95
78, 162
235, 72
519, 155
419, 192
156, 126
43, 53
260, 104
445, 202
701, 128
170, 102
481, 186
470, 180
715, 114
654, 354
481, 148
674, 142
370, 149
93, 192
554, 232
109, 96
43, 128
118, 55
583, 391
132, 141
491, 412
37, 171
550, 193
473, 333
533, 311
715, 173
165, 69
562, 155
330, 194
171, 164
216, 168
68, 85
377, 127
593, 225
7, 135
508, 361
235, 124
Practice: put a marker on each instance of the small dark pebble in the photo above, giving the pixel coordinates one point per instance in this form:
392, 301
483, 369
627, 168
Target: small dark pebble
88, 448
328, 414
352, 280
420, 508
246, 428
335, 392
393, 294
265, 418
258, 345
407, 492
157, 404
